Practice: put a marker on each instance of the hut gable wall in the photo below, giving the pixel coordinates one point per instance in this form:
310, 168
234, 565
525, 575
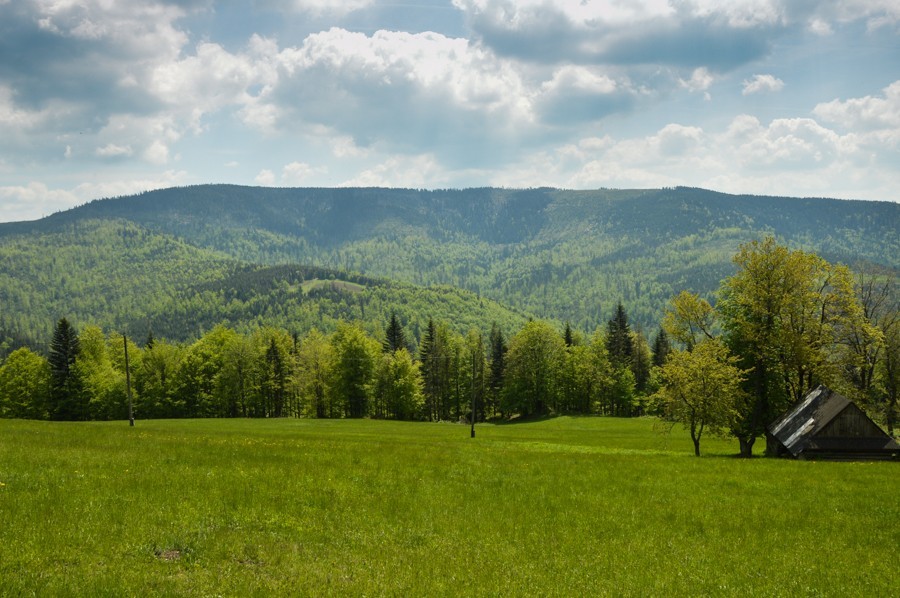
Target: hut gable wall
851, 423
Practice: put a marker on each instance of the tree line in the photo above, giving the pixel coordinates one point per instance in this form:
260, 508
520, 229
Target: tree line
784, 322
348, 373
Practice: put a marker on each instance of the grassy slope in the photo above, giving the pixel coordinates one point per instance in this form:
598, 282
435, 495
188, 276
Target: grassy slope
561, 507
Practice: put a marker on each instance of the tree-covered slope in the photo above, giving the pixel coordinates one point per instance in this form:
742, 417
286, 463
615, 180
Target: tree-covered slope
118, 274
565, 255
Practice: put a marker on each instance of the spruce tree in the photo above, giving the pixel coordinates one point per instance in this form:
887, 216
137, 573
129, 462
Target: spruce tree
67, 401
394, 337
498, 350
618, 337
661, 348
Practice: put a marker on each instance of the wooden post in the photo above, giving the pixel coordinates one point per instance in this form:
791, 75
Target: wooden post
128, 382
473, 395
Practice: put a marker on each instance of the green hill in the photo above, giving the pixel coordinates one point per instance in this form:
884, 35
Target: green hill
172, 256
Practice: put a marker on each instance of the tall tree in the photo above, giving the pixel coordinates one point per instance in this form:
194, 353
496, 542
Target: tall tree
618, 337
24, 385
661, 347
353, 372
890, 374
103, 385
785, 314
314, 361
533, 371
398, 386
496, 376
689, 319
394, 337
67, 399
879, 297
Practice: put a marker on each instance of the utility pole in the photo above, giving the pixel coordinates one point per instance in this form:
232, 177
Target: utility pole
473, 395
128, 382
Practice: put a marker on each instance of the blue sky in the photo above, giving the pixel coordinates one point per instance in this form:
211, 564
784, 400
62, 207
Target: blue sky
101, 98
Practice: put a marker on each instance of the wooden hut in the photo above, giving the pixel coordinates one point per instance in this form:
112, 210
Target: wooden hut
826, 424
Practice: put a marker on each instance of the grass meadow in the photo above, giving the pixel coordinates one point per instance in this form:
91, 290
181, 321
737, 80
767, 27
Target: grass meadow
565, 506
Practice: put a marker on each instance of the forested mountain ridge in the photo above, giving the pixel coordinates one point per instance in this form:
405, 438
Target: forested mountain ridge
558, 254
120, 275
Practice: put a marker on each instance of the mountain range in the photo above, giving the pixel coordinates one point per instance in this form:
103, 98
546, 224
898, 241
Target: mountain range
177, 261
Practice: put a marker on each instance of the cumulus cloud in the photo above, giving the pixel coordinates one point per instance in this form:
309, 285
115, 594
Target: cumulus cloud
422, 92
36, 199
761, 84
866, 113
686, 34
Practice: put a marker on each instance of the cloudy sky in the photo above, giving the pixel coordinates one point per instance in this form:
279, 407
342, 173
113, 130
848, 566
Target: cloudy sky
108, 97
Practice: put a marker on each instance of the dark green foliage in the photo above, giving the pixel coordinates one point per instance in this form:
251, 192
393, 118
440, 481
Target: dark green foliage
496, 377
394, 337
168, 255
67, 401
661, 348
618, 337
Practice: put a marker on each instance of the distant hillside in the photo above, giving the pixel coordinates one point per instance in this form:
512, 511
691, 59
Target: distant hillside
563, 255
120, 275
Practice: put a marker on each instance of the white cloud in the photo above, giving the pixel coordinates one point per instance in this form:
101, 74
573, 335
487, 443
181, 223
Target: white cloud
701, 80
265, 178
297, 173
36, 199
33, 201
407, 92
111, 150
866, 113
762, 84
402, 171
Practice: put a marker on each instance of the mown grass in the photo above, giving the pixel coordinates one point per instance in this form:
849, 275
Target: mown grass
566, 506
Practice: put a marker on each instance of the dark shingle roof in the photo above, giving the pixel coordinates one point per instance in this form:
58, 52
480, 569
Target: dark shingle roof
797, 429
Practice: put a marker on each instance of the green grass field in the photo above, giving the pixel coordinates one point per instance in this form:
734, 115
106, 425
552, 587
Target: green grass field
567, 506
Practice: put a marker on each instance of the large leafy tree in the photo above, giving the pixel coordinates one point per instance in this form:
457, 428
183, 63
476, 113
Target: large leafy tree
354, 368
24, 385
314, 363
533, 372
155, 379
785, 314
398, 386
700, 389
67, 399
103, 384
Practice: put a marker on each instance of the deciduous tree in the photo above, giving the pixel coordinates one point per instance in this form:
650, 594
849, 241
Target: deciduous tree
700, 389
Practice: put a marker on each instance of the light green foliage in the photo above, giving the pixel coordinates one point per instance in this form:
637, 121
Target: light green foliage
689, 319
398, 387
353, 373
103, 384
155, 378
585, 506
786, 313
315, 359
534, 370
24, 385
700, 389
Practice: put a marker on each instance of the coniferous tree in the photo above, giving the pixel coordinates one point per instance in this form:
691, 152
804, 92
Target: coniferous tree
497, 372
567, 335
67, 401
618, 337
661, 348
394, 337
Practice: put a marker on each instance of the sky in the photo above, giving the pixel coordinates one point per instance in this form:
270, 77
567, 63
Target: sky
101, 98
